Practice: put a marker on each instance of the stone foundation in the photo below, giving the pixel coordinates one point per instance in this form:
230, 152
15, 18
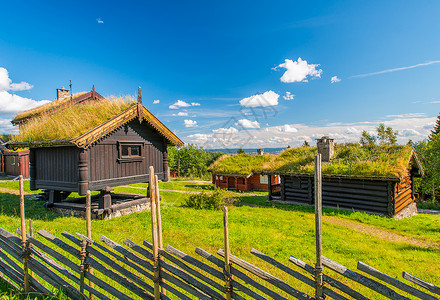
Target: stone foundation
407, 212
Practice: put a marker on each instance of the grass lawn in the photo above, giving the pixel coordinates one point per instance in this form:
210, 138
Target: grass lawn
277, 230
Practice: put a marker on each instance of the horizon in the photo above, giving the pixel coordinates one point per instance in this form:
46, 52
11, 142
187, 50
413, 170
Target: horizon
235, 75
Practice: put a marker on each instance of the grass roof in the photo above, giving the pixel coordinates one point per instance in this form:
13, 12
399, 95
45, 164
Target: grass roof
240, 164
349, 160
72, 121
45, 107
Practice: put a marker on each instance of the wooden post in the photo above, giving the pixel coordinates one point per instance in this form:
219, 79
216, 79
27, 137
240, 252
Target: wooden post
156, 273
318, 228
228, 276
89, 231
23, 237
159, 226
31, 233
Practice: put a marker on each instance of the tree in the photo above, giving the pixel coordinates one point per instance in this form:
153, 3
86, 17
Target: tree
428, 151
436, 128
386, 135
306, 144
367, 139
240, 151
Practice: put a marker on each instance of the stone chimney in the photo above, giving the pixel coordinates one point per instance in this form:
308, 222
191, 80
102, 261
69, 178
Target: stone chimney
260, 151
62, 93
326, 147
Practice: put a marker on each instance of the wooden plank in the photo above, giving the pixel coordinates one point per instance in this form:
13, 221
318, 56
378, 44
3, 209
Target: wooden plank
267, 277
369, 283
185, 286
319, 294
109, 288
109, 272
429, 286
295, 274
333, 282
10, 275
394, 282
242, 276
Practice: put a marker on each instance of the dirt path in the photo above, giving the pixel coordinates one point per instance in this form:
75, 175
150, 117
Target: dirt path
382, 233
10, 191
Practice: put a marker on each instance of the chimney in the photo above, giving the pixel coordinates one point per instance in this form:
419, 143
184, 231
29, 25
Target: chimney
62, 93
260, 151
326, 147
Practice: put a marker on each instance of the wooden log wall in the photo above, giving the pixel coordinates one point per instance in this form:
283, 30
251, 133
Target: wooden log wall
403, 193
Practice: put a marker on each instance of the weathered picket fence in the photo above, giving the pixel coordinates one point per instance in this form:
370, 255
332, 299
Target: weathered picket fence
83, 268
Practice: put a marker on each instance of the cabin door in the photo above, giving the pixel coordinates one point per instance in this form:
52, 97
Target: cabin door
231, 183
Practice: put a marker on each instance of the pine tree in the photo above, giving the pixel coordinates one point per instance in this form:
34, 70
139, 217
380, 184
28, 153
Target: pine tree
436, 129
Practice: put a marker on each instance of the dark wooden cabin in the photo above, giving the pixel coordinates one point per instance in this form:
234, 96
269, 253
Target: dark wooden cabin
117, 152
360, 187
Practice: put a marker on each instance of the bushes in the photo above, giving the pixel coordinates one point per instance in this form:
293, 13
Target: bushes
214, 200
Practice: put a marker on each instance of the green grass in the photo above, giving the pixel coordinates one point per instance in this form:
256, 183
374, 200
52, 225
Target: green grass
277, 230
240, 164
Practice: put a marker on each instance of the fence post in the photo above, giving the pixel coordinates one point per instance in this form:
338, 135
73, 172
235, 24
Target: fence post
89, 232
156, 273
159, 226
24, 241
318, 229
227, 271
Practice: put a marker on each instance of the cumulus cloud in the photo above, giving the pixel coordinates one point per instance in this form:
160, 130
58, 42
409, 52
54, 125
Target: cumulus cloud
245, 123
288, 128
157, 101
335, 79
199, 138
268, 98
288, 96
298, 71
190, 123
179, 103
100, 21
181, 114
7, 85
195, 104
225, 130
11, 103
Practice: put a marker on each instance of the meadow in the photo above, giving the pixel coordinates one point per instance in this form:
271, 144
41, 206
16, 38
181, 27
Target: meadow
392, 246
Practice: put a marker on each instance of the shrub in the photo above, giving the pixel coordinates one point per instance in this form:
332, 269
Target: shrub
214, 200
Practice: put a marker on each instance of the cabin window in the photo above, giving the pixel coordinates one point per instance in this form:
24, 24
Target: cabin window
263, 179
240, 180
130, 151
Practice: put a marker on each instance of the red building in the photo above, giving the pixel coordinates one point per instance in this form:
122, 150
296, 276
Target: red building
249, 182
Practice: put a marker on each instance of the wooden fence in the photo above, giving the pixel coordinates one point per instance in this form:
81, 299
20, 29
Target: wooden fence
83, 268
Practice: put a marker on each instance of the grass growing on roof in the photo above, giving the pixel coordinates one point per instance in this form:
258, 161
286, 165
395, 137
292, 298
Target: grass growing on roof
72, 121
45, 107
350, 159
240, 164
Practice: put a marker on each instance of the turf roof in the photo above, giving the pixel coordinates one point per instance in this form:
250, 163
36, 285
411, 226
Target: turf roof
70, 122
350, 160
240, 164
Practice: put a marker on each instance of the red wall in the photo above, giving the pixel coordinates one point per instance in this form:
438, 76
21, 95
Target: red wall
236, 182
16, 163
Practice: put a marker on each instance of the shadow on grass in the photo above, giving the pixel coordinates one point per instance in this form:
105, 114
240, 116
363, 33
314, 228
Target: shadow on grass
204, 187
10, 206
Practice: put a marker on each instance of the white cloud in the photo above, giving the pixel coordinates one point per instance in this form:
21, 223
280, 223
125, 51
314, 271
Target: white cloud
99, 21
335, 79
297, 71
11, 103
288, 128
190, 123
7, 85
225, 130
199, 138
408, 115
289, 96
157, 101
397, 69
245, 123
178, 104
181, 114
268, 98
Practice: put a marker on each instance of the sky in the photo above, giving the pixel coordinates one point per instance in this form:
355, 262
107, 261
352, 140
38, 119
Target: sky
229, 74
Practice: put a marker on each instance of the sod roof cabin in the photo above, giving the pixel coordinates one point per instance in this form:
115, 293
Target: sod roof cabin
242, 172
374, 179
95, 146
62, 101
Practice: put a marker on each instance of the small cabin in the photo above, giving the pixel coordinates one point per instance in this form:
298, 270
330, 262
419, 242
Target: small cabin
95, 146
373, 179
241, 172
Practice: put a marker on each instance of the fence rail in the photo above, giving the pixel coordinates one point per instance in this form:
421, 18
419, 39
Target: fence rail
83, 268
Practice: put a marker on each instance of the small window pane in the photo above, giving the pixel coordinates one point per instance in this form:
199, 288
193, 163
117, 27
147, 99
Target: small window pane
263, 179
135, 150
124, 150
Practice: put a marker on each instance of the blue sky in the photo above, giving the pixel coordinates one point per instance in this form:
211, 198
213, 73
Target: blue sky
224, 56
